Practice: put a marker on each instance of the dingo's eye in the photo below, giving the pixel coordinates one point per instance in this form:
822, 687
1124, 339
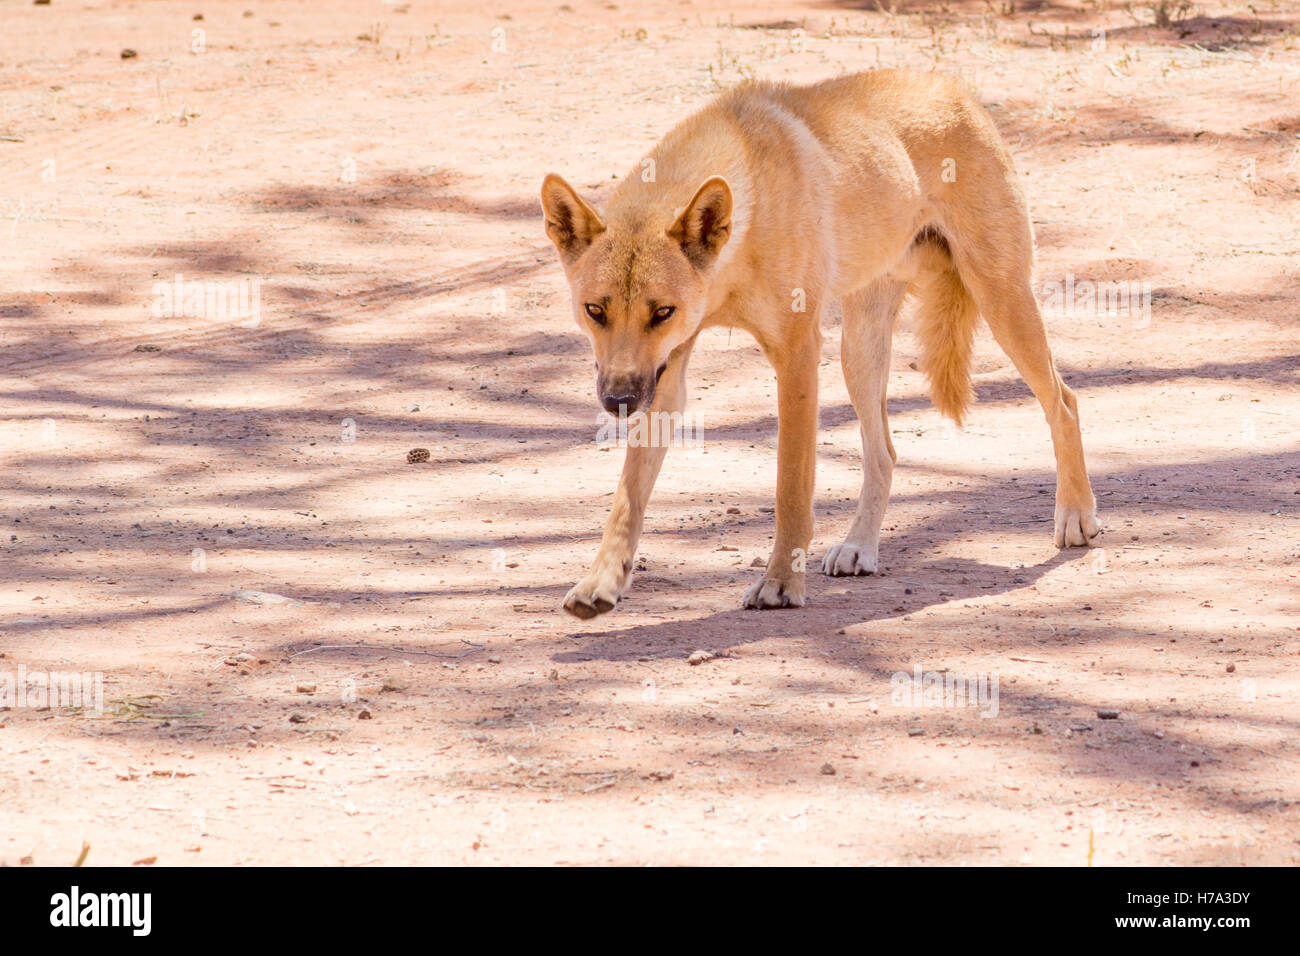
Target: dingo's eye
663, 314
596, 312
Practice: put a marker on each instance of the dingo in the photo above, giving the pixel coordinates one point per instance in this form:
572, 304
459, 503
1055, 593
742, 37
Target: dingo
765, 206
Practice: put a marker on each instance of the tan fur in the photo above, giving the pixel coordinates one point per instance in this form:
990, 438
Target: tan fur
765, 207
945, 324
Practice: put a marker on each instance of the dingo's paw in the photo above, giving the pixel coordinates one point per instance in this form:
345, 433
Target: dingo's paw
772, 592
595, 594
849, 559
1076, 527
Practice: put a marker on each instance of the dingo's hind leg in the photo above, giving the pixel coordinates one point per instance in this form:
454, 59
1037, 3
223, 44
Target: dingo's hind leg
869, 316
993, 258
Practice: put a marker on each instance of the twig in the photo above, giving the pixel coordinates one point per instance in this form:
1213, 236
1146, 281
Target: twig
400, 650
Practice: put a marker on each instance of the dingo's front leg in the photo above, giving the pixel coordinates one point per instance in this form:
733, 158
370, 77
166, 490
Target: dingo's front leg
601, 589
796, 443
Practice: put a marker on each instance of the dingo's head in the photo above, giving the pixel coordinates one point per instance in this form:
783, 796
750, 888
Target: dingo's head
639, 286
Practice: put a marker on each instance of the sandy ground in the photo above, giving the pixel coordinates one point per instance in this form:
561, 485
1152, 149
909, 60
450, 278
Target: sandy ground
419, 698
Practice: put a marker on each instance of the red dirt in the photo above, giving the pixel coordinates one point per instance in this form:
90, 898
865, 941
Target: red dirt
508, 731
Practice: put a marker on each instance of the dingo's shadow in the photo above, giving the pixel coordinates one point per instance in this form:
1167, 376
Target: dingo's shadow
833, 604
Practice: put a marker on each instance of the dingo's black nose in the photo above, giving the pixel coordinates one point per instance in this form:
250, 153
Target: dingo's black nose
626, 403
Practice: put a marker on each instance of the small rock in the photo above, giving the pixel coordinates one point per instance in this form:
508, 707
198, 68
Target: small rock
758, 563
699, 657
828, 770
916, 732
494, 660
1231, 668
131, 55
364, 715
1108, 714
392, 685
417, 455
305, 689
733, 511
298, 718
142, 348
659, 775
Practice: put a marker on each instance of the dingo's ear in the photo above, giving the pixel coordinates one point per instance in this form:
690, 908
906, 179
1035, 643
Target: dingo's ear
571, 222
703, 227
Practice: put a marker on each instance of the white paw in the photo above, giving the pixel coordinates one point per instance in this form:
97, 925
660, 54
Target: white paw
1076, 527
771, 592
595, 594
849, 559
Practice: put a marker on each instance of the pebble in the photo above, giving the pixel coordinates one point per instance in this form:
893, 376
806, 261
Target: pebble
1107, 714
699, 657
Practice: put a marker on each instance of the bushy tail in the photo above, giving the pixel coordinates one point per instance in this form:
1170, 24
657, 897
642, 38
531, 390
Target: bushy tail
945, 324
